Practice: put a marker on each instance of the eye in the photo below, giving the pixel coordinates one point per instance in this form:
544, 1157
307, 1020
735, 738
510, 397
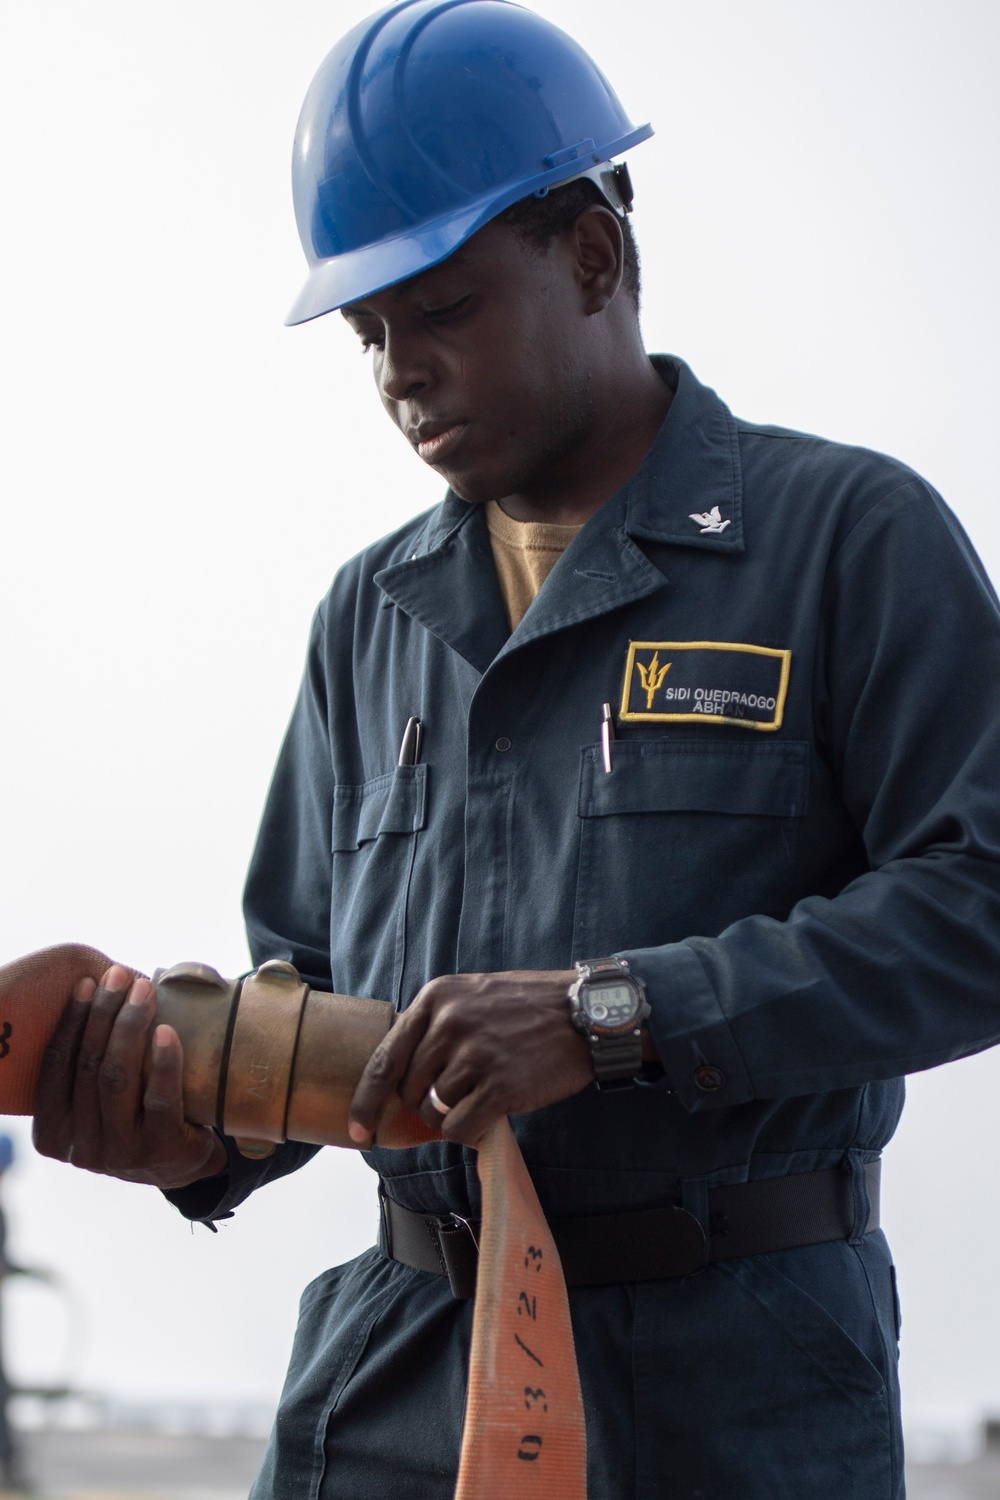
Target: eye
371, 334
365, 325
448, 310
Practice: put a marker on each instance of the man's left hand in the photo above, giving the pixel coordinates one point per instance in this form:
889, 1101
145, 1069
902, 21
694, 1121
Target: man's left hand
491, 1045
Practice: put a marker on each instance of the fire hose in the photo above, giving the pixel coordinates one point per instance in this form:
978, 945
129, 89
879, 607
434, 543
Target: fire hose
266, 1060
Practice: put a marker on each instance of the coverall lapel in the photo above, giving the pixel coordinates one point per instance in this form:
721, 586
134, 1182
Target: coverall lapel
451, 588
602, 569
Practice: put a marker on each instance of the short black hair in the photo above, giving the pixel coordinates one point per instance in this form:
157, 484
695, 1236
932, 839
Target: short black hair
539, 220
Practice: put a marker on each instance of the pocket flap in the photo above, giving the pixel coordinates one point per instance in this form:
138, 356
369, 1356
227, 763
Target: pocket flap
673, 775
389, 804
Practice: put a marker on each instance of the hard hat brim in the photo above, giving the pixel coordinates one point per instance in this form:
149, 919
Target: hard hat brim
356, 274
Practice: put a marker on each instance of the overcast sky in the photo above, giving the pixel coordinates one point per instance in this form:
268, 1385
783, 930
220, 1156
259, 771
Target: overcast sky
181, 475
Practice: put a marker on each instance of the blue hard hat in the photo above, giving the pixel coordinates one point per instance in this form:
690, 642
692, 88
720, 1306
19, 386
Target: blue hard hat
425, 122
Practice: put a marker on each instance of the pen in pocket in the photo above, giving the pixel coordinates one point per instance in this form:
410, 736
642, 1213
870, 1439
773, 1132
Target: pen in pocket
607, 735
409, 750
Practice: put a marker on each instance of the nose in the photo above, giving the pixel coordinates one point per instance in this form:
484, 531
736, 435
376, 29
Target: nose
403, 367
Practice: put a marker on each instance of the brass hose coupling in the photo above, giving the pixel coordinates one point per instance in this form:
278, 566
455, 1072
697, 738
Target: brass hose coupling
266, 1059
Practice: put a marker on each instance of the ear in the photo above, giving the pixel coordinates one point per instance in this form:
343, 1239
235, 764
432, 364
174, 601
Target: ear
599, 249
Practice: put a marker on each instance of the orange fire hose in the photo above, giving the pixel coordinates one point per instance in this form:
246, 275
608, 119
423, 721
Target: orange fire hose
523, 1434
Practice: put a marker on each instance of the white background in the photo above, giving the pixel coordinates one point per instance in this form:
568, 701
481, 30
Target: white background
180, 476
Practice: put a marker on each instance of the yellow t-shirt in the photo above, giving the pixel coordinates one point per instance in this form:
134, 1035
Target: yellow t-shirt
525, 552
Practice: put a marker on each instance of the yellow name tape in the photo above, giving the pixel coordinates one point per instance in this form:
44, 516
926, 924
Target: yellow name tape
705, 682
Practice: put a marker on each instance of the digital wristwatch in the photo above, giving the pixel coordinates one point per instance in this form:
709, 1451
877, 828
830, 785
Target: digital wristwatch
608, 1004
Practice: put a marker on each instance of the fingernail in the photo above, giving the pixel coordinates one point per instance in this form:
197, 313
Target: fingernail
357, 1132
84, 991
140, 992
115, 979
161, 1036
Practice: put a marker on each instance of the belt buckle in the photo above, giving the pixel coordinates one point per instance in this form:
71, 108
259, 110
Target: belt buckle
455, 1237
467, 1226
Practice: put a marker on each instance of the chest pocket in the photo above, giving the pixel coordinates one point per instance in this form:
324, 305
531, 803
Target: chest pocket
684, 837
373, 845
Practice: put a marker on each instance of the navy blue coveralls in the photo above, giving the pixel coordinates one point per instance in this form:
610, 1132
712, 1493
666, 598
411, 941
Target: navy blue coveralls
798, 849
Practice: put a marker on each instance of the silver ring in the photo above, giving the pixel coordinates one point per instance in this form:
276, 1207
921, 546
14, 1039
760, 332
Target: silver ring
437, 1102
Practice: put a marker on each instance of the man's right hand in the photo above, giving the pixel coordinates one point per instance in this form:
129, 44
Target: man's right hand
92, 1107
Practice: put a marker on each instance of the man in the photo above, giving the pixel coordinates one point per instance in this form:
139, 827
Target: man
691, 717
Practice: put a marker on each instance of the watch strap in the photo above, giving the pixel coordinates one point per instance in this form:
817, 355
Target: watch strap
617, 1059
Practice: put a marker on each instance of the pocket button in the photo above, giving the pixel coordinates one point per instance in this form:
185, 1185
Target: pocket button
709, 1079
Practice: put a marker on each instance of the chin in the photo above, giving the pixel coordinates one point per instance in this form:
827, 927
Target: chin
479, 489
502, 460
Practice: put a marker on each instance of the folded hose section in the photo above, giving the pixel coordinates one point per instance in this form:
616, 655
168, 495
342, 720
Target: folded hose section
524, 1430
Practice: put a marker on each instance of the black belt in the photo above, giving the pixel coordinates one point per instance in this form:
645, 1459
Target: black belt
648, 1244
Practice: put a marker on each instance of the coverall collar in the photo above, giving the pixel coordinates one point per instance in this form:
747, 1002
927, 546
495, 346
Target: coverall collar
687, 492
693, 466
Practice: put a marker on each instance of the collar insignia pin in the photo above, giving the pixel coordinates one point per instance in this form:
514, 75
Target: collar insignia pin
709, 520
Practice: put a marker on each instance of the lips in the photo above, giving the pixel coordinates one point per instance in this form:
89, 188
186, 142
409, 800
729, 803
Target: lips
435, 440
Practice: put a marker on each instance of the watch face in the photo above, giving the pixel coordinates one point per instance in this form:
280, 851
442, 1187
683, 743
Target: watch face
611, 1004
